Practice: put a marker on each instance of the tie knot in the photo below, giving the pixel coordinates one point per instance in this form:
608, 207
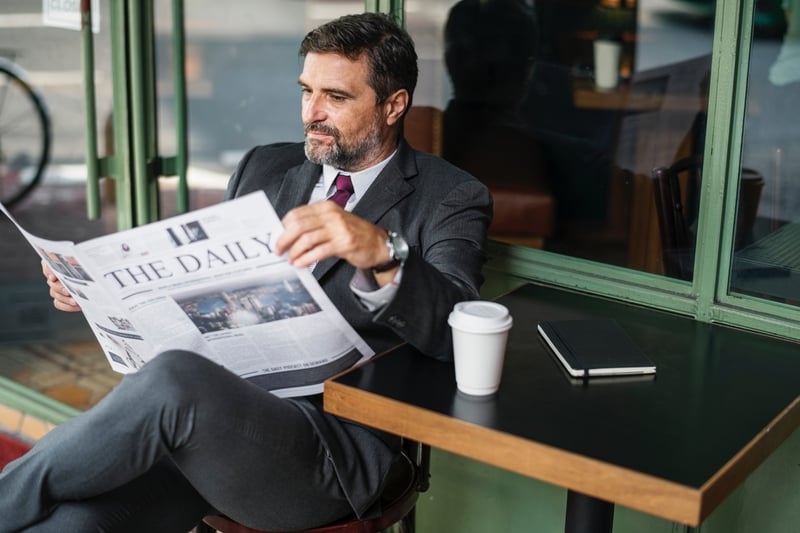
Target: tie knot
344, 189
343, 183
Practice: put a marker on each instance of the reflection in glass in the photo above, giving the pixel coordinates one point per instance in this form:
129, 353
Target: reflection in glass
769, 265
489, 56
569, 163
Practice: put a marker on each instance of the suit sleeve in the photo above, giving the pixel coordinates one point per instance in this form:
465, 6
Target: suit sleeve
236, 177
445, 268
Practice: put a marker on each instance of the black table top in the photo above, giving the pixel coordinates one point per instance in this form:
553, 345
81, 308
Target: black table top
717, 392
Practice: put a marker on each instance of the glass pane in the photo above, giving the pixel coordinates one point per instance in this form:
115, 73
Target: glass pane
566, 139
48, 351
767, 248
49, 60
242, 67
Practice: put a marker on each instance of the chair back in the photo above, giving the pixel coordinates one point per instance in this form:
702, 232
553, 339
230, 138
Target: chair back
751, 186
422, 128
676, 196
673, 224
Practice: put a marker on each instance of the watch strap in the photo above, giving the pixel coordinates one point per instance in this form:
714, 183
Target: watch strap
387, 266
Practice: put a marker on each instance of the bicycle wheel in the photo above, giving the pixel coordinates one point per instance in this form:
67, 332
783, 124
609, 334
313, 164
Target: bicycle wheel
24, 135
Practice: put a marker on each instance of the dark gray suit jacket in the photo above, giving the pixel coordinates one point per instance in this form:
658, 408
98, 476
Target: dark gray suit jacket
443, 213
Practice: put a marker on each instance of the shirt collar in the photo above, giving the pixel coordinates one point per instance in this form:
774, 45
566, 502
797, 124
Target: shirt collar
361, 179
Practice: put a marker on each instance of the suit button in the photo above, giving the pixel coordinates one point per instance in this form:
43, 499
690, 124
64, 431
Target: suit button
396, 322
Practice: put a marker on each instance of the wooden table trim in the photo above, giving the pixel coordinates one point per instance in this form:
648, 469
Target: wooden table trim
595, 478
735, 471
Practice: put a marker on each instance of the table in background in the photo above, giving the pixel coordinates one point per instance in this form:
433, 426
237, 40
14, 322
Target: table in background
674, 446
770, 266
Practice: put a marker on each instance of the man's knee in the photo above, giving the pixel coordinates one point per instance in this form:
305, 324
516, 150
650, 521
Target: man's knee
175, 373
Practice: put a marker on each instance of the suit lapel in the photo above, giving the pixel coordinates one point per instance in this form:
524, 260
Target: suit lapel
298, 183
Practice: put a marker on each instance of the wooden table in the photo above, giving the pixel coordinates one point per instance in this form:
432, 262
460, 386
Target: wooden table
674, 446
586, 96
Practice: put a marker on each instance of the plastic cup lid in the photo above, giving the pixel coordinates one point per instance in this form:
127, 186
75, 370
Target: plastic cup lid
480, 317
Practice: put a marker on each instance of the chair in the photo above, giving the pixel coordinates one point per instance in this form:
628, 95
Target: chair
406, 480
422, 128
676, 187
524, 206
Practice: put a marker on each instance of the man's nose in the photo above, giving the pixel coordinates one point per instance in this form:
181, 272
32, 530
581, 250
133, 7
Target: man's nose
313, 110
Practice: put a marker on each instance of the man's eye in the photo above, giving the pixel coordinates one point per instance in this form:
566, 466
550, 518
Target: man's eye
338, 98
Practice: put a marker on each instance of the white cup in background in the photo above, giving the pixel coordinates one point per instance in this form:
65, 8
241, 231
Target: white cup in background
606, 63
480, 331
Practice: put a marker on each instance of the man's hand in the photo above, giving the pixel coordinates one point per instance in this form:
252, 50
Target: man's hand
61, 298
323, 229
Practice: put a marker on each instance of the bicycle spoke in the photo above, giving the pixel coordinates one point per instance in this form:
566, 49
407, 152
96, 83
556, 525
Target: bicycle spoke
11, 124
24, 135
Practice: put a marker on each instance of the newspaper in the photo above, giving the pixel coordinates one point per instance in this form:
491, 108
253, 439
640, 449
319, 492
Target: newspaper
209, 282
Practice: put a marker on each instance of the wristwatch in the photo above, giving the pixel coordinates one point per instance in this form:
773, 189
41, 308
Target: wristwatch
398, 251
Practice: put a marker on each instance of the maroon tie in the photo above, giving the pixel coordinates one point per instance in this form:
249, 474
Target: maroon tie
344, 189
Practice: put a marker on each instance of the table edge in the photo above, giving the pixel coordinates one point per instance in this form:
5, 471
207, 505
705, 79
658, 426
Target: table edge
741, 465
643, 492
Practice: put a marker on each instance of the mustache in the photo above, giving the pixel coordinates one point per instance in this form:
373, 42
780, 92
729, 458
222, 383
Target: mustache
320, 127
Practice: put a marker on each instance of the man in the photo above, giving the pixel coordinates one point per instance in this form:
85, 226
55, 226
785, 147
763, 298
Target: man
183, 436
490, 48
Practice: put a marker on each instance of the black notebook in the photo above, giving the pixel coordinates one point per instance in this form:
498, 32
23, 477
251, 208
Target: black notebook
595, 347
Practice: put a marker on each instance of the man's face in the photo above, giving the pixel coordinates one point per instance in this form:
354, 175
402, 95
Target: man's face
344, 124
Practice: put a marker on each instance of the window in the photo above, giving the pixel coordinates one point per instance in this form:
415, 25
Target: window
242, 66
766, 260
603, 178
564, 108
56, 207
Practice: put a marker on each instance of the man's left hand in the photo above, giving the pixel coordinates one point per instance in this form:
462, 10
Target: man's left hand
323, 229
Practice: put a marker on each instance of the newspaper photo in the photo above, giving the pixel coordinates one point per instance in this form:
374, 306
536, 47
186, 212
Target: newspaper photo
209, 282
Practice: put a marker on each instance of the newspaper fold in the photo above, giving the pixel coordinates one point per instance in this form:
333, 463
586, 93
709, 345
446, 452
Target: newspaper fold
209, 282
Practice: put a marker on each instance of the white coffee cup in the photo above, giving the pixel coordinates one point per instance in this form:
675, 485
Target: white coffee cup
480, 331
606, 63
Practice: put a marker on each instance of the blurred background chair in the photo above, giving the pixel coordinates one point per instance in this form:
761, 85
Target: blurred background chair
408, 477
524, 206
676, 195
422, 128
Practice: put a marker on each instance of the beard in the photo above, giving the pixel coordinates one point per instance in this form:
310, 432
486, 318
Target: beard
343, 154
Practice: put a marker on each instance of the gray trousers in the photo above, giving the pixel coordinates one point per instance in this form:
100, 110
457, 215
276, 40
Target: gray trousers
170, 443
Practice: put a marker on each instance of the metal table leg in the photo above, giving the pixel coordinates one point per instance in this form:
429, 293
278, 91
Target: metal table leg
588, 515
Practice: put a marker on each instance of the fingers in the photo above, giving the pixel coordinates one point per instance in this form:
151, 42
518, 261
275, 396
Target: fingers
313, 233
297, 224
62, 300
310, 248
47, 272
317, 231
64, 303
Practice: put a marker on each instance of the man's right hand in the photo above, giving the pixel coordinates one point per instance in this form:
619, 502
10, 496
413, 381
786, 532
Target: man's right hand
61, 297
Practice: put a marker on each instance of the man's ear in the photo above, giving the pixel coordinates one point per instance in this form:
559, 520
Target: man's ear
395, 106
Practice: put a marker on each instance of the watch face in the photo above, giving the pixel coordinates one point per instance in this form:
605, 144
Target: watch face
399, 245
